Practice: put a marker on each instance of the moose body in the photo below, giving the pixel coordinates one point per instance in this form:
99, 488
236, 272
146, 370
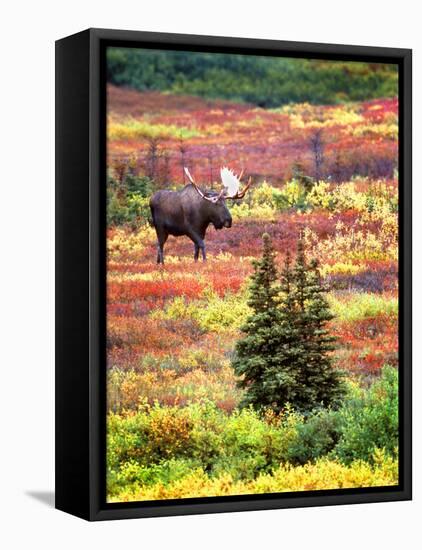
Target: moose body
190, 211
185, 212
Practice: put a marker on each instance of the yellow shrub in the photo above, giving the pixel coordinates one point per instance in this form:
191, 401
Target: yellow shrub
347, 198
260, 204
139, 129
178, 308
388, 128
123, 244
293, 192
220, 314
362, 305
324, 474
304, 115
320, 195
215, 313
263, 195
343, 268
354, 243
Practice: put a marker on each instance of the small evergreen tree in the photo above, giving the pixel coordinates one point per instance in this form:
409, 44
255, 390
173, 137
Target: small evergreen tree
320, 383
281, 379
256, 352
285, 354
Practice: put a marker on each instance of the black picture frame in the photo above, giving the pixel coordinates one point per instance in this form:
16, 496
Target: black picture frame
80, 273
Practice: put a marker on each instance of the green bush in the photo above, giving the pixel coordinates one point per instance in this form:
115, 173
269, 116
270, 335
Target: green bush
160, 445
128, 203
117, 211
243, 443
292, 195
250, 445
138, 211
139, 186
369, 420
132, 475
314, 438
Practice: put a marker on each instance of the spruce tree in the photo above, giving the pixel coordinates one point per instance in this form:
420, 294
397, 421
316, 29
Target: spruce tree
320, 383
281, 379
327, 383
256, 352
284, 356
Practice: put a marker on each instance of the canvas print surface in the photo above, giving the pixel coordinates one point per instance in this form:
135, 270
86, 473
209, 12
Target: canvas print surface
252, 275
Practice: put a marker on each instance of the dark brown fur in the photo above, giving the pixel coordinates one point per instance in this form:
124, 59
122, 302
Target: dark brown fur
185, 212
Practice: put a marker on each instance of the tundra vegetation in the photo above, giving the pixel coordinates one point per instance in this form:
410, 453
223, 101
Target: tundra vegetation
189, 413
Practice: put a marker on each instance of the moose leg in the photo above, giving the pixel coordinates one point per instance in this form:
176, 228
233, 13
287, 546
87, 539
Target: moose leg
160, 254
161, 239
198, 244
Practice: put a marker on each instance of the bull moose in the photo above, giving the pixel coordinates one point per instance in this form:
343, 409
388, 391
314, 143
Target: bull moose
190, 211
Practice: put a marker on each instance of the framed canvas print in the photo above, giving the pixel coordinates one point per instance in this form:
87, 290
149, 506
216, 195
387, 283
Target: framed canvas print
233, 274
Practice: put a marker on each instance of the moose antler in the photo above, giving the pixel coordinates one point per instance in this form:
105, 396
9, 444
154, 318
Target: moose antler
211, 199
231, 184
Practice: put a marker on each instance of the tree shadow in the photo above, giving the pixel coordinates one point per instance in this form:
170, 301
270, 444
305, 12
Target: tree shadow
45, 497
